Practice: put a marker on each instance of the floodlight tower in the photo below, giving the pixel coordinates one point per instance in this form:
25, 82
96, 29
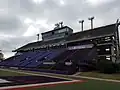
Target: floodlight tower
82, 21
61, 24
57, 25
38, 36
91, 19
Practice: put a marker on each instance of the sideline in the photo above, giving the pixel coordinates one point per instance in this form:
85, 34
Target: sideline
24, 87
60, 76
33, 73
75, 76
100, 79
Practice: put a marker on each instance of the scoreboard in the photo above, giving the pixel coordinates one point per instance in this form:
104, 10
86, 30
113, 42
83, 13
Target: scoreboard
57, 33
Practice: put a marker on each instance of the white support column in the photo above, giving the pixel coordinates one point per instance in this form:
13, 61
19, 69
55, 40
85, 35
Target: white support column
113, 58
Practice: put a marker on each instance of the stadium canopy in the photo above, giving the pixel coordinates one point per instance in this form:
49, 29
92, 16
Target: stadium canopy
107, 30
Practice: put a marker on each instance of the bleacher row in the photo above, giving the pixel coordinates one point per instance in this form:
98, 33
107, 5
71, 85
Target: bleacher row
55, 59
31, 59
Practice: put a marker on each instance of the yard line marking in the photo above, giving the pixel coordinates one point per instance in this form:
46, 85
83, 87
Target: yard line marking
40, 84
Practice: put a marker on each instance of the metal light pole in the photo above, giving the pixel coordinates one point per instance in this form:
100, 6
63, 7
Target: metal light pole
82, 21
38, 35
91, 19
61, 24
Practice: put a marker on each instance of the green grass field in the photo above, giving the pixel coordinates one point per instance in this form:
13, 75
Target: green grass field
101, 75
88, 85
9, 73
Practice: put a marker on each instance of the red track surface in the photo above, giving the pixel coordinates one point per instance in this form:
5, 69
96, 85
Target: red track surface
46, 85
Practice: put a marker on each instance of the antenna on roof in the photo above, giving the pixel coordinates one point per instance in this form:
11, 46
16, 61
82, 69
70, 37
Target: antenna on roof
38, 35
91, 19
82, 21
57, 26
61, 24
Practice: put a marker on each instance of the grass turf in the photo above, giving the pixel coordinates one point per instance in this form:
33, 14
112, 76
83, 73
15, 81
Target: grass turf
89, 85
9, 73
101, 75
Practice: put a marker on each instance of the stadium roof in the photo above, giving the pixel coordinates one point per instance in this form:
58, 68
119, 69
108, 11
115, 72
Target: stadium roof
57, 29
40, 44
107, 30
94, 33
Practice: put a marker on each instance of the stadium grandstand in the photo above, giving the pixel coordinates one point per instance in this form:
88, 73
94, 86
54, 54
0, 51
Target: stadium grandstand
62, 51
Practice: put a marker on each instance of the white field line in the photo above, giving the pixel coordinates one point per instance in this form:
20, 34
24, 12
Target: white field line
100, 79
84, 77
4, 81
39, 84
69, 76
31, 73
76, 74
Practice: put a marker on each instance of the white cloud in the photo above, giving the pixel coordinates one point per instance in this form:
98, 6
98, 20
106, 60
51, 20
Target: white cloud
3, 36
28, 21
8, 54
62, 2
32, 30
38, 1
98, 2
42, 23
34, 27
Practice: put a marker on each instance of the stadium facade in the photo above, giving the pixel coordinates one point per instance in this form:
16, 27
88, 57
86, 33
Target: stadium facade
61, 49
105, 39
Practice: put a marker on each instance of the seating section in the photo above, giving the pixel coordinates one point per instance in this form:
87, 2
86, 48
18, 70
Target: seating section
16, 60
51, 59
31, 59
81, 57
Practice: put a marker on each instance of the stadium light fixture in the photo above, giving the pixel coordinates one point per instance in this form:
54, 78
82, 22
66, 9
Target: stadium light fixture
38, 35
91, 19
57, 25
61, 24
81, 21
